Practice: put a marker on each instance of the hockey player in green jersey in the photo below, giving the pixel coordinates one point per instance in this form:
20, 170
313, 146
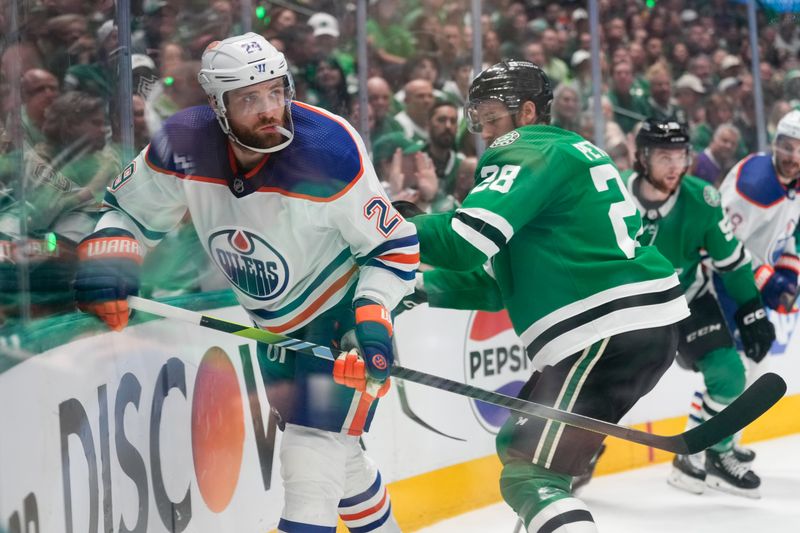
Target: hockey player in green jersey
683, 218
549, 233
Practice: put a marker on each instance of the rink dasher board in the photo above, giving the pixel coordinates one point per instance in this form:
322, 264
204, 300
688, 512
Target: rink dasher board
94, 425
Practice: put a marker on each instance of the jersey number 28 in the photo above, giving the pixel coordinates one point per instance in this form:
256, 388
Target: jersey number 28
497, 179
618, 211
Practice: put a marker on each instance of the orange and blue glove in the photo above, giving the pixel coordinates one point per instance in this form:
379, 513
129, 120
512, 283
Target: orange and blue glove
108, 272
778, 282
367, 367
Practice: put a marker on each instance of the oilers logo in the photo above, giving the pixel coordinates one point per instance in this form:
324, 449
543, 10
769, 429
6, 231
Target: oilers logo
250, 263
494, 359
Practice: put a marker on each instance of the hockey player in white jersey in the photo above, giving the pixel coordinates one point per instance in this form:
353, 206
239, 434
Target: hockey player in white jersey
288, 206
760, 196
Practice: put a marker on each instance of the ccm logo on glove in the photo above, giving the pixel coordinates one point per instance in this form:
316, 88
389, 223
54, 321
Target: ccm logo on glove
752, 317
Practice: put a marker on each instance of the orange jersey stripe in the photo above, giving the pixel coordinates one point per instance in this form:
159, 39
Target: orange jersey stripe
366, 512
407, 259
316, 304
360, 418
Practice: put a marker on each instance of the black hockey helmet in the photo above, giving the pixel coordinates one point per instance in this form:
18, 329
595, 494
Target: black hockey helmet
656, 133
511, 82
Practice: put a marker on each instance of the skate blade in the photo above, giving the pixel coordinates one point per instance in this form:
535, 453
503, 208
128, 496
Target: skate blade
723, 486
681, 481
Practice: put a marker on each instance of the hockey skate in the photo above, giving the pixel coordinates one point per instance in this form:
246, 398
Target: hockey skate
583, 479
688, 473
744, 455
726, 473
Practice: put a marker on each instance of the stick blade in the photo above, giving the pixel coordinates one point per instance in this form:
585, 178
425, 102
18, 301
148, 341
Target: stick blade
751, 404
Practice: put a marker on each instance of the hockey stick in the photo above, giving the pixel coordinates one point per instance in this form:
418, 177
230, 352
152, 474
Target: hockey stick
752, 403
788, 300
406, 407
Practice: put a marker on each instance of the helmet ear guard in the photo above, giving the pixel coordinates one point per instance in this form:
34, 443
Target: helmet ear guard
242, 61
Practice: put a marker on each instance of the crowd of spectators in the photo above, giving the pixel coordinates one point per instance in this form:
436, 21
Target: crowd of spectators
686, 60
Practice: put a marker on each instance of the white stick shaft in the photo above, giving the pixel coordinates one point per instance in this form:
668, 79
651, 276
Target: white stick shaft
163, 310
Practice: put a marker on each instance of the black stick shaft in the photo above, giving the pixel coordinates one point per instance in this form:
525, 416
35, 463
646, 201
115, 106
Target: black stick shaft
751, 404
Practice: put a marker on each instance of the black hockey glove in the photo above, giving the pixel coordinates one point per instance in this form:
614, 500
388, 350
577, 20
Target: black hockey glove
407, 209
755, 328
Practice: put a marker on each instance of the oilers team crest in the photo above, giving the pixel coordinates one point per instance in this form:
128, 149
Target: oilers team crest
250, 263
494, 359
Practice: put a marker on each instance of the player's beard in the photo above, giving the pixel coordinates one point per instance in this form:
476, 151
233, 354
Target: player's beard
788, 171
662, 186
259, 139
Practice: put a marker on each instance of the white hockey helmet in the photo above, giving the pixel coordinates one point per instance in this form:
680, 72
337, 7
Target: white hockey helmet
238, 62
789, 125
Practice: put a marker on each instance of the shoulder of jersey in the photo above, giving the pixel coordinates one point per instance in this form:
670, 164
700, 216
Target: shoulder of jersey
324, 148
626, 175
757, 182
187, 134
700, 192
522, 144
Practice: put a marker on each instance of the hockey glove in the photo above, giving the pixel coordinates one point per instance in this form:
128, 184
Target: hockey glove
773, 284
108, 272
374, 339
407, 209
419, 296
349, 370
755, 328
789, 266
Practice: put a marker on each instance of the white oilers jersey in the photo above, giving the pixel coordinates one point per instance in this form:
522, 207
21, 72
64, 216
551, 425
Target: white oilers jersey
763, 211
293, 235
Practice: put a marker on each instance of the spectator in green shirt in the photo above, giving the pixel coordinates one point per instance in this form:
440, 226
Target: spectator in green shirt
39, 89
379, 95
628, 108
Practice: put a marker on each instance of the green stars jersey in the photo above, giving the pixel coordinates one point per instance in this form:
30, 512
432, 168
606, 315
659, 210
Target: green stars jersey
689, 226
558, 228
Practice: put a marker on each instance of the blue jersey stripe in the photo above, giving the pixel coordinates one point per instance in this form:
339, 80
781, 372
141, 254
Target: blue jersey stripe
362, 497
393, 244
402, 274
299, 527
323, 276
373, 525
111, 200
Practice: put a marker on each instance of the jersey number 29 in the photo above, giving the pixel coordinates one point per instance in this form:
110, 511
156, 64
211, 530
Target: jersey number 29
618, 211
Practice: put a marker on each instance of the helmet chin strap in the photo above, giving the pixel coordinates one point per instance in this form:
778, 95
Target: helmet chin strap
223, 122
793, 182
283, 131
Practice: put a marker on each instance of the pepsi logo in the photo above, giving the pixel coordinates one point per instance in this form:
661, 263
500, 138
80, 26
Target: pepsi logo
249, 262
494, 359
